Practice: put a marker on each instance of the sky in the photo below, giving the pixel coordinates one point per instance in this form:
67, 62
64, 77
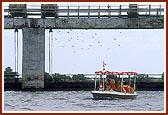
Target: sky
83, 51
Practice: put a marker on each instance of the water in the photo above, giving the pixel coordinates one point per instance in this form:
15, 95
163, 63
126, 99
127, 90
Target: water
80, 101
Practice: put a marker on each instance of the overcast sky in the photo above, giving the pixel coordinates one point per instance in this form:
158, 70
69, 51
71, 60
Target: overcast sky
83, 51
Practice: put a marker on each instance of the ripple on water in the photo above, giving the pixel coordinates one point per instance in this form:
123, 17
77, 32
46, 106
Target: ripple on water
80, 101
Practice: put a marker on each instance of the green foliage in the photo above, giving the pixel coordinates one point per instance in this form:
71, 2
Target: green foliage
58, 77
79, 77
8, 70
9, 75
47, 78
141, 76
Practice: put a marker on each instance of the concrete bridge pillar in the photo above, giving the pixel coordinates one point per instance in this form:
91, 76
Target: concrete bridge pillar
33, 59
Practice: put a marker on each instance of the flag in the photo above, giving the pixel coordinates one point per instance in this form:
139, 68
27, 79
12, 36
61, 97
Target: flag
104, 64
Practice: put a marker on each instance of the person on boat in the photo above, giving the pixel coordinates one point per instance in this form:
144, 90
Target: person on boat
112, 85
108, 86
125, 88
100, 86
118, 86
128, 89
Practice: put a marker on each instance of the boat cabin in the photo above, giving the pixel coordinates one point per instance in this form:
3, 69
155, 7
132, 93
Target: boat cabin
115, 81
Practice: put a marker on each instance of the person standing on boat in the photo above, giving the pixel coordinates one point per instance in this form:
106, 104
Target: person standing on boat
108, 86
118, 86
112, 84
100, 86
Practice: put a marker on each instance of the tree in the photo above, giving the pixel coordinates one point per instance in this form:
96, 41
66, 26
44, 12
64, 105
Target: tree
47, 78
8, 70
163, 76
79, 77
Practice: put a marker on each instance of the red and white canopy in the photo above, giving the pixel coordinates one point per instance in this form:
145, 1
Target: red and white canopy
115, 73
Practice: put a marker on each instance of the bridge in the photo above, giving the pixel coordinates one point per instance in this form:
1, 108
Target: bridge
109, 17
34, 21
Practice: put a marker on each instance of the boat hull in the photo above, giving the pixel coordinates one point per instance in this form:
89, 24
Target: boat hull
113, 95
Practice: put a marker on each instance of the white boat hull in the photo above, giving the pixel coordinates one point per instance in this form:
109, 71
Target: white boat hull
113, 95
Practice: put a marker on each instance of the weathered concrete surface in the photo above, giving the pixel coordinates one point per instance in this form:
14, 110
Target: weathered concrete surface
33, 60
86, 23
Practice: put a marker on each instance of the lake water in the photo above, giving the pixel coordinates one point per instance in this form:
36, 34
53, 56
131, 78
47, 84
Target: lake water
80, 101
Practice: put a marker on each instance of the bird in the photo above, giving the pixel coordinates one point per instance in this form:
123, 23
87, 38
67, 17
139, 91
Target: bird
108, 48
114, 38
98, 42
77, 39
67, 32
73, 46
95, 33
119, 45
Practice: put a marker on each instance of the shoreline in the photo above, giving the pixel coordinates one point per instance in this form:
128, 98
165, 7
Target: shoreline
79, 86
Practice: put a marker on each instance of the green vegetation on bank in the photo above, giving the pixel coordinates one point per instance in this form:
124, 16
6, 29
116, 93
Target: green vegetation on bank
12, 81
10, 76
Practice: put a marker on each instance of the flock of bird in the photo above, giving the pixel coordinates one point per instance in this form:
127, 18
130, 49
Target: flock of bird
77, 38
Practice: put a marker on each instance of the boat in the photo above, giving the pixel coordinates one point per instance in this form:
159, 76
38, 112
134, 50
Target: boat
111, 85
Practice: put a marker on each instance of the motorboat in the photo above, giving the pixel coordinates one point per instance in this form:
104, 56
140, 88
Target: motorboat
115, 85
113, 95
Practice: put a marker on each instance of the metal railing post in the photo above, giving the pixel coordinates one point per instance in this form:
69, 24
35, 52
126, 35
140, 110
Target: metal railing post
78, 11
109, 11
88, 11
68, 11
120, 11
99, 12
149, 9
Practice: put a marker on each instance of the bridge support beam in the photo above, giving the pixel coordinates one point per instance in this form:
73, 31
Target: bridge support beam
33, 59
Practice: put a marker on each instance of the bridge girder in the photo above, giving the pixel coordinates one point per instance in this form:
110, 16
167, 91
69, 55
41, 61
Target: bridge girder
85, 23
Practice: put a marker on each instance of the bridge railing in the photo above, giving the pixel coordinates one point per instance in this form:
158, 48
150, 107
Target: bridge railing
109, 11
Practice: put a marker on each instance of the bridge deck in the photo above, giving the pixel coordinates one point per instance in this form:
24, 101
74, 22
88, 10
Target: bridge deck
85, 23
86, 17
88, 11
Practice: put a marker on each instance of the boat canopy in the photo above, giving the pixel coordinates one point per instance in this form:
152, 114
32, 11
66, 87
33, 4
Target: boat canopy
115, 73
